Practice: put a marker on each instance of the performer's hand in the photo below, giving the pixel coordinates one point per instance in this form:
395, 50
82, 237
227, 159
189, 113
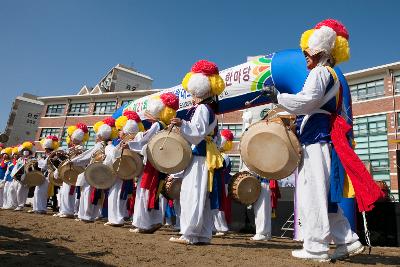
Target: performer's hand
271, 93
124, 145
176, 121
150, 117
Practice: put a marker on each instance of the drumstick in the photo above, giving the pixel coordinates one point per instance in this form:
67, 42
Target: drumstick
263, 92
165, 139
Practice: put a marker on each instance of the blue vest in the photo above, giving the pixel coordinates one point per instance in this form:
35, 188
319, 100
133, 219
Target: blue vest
200, 148
318, 126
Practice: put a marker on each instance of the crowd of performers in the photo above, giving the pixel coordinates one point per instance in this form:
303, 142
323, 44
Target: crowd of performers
203, 206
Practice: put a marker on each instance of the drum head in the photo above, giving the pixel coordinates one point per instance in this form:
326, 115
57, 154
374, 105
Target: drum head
33, 178
173, 188
69, 173
270, 150
245, 188
57, 182
129, 165
99, 175
169, 153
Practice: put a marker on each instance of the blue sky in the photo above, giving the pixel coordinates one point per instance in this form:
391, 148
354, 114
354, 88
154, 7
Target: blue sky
55, 47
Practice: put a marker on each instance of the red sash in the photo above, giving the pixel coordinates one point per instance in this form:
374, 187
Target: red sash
366, 190
150, 181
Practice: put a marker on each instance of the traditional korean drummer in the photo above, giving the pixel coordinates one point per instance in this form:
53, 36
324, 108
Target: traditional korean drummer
91, 200
77, 136
127, 124
49, 143
147, 216
26, 151
10, 197
223, 215
5, 155
204, 84
324, 47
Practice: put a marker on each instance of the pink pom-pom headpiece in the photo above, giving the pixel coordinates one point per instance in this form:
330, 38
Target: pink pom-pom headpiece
206, 67
83, 127
110, 121
335, 25
132, 115
170, 100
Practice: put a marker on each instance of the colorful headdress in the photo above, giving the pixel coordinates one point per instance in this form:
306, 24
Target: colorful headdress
50, 142
7, 150
27, 145
15, 150
163, 107
129, 122
226, 140
78, 133
105, 129
203, 80
1, 146
329, 36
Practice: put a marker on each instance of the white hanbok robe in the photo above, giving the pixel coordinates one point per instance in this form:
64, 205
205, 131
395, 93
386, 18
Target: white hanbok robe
41, 191
21, 189
262, 211
87, 211
69, 203
10, 195
142, 217
196, 218
220, 224
318, 227
117, 209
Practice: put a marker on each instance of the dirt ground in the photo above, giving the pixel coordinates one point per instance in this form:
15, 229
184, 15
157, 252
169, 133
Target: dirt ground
33, 240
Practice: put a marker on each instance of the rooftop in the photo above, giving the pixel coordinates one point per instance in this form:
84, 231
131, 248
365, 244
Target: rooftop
373, 71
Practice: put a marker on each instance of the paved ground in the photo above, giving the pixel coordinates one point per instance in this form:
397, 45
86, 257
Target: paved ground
32, 240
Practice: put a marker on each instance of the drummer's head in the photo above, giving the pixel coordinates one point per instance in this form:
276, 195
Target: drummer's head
326, 44
129, 123
77, 134
163, 107
6, 153
50, 143
203, 81
26, 149
226, 140
105, 130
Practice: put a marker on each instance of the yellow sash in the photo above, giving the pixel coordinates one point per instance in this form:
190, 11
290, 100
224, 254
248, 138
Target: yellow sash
214, 160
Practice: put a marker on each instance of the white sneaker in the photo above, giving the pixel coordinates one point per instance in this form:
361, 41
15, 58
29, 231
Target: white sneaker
304, 254
346, 250
56, 214
220, 233
260, 237
19, 208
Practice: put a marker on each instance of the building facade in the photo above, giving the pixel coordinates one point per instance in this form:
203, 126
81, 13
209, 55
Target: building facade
23, 119
90, 105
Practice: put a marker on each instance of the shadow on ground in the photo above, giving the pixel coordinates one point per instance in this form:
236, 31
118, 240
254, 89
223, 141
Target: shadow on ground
21, 249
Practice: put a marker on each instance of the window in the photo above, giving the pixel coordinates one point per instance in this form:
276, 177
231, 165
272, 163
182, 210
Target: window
78, 109
397, 84
124, 102
92, 138
236, 130
370, 90
55, 110
372, 146
49, 131
235, 161
102, 108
